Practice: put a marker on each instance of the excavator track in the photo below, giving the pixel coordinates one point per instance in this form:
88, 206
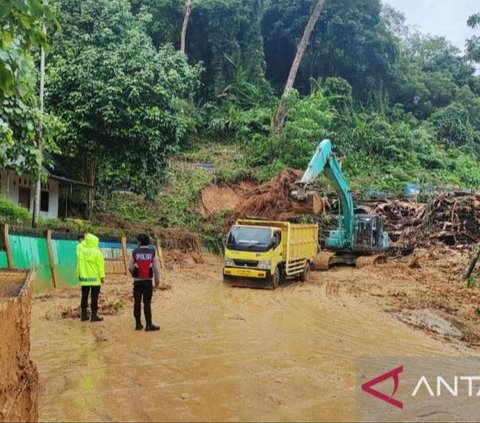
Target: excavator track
323, 260
370, 260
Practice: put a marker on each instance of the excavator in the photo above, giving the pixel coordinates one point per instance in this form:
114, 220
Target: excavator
359, 238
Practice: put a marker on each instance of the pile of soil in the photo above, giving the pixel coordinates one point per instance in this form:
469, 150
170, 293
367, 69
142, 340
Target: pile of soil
179, 258
448, 219
109, 220
179, 239
274, 200
224, 197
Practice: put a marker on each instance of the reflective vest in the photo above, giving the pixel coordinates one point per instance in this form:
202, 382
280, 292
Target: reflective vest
143, 258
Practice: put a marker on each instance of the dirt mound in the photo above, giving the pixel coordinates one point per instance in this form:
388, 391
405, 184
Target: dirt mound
180, 258
447, 219
179, 239
216, 198
109, 220
273, 200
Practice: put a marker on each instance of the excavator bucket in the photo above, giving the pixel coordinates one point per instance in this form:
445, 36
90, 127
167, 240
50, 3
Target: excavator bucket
301, 192
308, 202
323, 260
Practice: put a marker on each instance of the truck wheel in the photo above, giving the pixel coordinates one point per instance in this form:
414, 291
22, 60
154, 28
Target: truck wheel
306, 272
276, 278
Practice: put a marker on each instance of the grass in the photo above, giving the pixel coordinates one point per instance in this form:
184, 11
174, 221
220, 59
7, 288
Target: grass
13, 213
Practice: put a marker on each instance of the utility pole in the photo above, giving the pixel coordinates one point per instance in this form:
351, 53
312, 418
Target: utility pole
38, 182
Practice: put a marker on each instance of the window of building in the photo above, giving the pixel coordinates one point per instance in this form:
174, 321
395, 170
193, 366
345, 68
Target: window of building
44, 201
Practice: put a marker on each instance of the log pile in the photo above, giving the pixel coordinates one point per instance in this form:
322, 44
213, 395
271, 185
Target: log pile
448, 219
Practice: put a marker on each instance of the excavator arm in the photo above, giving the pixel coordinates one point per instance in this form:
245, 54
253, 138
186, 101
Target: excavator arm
325, 161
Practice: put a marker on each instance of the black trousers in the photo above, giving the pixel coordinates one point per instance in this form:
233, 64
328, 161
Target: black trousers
94, 303
143, 289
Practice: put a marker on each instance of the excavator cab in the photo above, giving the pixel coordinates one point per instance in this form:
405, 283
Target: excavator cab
368, 234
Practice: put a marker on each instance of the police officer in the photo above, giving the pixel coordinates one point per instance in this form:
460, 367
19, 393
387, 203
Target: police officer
144, 267
91, 274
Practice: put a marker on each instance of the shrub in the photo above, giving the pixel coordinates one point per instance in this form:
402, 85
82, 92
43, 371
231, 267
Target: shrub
13, 213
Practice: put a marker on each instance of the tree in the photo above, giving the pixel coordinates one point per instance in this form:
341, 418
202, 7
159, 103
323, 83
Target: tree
282, 108
20, 32
225, 36
127, 112
186, 19
453, 125
395, 21
473, 44
20, 29
162, 18
350, 41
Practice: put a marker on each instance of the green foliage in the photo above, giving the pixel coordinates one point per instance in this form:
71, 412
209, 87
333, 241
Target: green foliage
452, 125
13, 213
20, 31
162, 18
127, 111
350, 40
473, 44
181, 194
226, 37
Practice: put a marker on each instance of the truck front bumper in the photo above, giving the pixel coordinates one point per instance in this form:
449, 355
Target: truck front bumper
248, 278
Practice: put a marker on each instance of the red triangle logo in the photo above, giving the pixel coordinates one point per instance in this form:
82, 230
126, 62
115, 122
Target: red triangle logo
392, 374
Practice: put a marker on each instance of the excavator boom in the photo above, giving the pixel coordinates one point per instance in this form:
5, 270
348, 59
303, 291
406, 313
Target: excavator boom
355, 234
325, 161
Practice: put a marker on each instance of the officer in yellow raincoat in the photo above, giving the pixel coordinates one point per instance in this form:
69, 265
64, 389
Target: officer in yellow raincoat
91, 275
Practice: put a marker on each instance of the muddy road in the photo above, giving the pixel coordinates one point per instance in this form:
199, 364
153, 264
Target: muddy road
222, 353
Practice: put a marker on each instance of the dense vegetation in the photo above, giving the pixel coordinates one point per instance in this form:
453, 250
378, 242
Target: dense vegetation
399, 105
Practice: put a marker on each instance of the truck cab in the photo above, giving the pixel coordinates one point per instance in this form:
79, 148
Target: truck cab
251, 253
261, 254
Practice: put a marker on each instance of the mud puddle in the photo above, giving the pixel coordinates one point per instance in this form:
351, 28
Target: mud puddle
222, 354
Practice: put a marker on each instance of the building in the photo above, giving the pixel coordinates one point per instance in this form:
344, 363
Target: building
20, 189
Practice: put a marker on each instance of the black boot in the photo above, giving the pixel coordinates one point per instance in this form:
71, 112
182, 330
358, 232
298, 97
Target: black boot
84, 317
139, 326
96, 318
151, 328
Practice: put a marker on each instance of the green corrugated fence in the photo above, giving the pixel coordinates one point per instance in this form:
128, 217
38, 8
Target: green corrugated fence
29, 248
32, 251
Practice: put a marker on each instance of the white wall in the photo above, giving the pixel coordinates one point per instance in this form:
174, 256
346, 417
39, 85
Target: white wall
15, 181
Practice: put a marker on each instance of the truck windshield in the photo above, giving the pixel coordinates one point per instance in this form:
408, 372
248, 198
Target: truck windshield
249, 239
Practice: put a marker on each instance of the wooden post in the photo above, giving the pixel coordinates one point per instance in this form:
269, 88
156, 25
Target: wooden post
125, 253
6, 242
160, 254
51, 258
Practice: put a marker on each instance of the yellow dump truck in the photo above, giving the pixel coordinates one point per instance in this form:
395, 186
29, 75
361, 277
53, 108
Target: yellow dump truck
262, 254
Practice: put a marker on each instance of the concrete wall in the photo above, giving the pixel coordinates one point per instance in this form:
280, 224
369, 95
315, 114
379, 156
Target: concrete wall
15, 181
19, 375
